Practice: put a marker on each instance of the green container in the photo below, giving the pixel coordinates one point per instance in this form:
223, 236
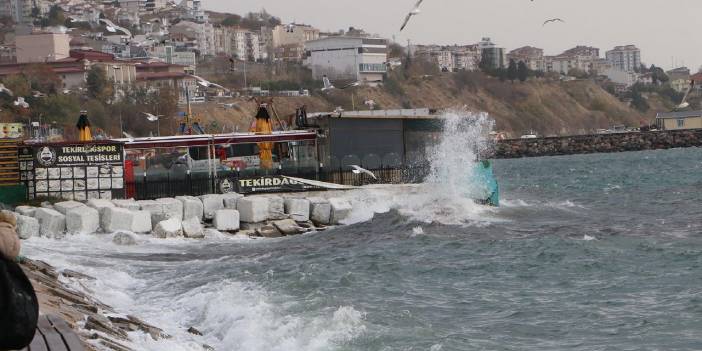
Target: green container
13, 194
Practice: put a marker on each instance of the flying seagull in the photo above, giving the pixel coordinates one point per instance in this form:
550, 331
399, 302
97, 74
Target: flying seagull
358, 170
327, 84
415, 11
151, 117
21, 103
3, 89
553, 20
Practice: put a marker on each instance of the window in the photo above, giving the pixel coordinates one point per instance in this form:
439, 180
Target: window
681, 123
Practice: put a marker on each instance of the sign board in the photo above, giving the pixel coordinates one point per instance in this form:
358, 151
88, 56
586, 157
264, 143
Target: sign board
11, 130
264, 184
73, 171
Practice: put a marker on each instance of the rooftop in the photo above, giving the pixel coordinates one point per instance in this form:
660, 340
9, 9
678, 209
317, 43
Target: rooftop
680, 114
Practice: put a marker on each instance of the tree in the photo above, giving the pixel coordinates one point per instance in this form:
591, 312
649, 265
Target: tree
56, 16
42, 78
522, 71
18, 85
512, 71
97, 84
231, 20
639, 102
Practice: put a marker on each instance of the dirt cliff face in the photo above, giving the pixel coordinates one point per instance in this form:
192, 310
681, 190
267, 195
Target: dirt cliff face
547, 107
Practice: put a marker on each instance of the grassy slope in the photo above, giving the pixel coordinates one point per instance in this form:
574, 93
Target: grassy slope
547, 107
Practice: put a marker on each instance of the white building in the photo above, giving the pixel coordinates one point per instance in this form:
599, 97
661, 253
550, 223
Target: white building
450, 58
491, 55
627, 78
532, 57
625, 58
361, 59
194, 35
170, 55
246, 45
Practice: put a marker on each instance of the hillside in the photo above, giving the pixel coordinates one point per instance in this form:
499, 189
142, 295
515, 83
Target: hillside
547, 107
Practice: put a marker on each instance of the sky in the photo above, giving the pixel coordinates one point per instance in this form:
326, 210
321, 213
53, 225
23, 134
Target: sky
663, 30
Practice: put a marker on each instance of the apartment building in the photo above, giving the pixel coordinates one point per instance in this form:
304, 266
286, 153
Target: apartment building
342, 57
625, 58
531, 56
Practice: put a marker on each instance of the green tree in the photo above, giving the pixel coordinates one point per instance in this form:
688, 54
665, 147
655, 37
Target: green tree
512, 71
98, 85
522, 71
42, 78
18, 84
231, 20
56, 16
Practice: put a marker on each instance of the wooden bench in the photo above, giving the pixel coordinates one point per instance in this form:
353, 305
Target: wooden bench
54, 334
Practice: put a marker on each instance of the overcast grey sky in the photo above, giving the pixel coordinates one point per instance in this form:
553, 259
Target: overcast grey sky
664, 30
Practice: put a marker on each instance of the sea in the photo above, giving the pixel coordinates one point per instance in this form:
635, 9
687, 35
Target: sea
586, 252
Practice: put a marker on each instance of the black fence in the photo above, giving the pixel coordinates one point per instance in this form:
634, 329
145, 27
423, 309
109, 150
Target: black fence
145, 188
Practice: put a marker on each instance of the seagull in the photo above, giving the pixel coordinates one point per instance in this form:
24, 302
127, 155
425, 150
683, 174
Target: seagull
38, 94
358, 170
21, 103
3, 89
553, 20
207, 84
230, 105
152, 117
327, 84
351, 85
415, 11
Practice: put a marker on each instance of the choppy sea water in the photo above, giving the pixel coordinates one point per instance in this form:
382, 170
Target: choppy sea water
592, 252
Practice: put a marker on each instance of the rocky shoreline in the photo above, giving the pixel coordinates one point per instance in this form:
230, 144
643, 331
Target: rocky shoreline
98, 325
598, 143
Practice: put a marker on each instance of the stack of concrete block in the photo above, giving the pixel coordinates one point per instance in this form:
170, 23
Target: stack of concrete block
82, 220
230, 200
320, 210
340, 209
65, 206
192, 207
192, 228
52, 223
226, 220
211, 203
100, 204
121, 219
129, 204
27, 226
169, 228
298, 209
253, 209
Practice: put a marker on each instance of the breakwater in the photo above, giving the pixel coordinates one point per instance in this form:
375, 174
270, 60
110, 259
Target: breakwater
598, 143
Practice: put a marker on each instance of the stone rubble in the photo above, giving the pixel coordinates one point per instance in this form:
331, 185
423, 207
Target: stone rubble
298, 209
226, 220
169, 228
211, 203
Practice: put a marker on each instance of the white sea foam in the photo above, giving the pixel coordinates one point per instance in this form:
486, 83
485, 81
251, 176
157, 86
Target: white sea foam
417, 231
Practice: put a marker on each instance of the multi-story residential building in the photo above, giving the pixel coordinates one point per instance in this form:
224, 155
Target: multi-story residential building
288, 37
222, 40
152, 6
531, 56
42, 47
246, 46
356, 58
582, 50
19, 10
679, 79
625, 58
171, 55
491, 55
450, 58
583, 58
194, 35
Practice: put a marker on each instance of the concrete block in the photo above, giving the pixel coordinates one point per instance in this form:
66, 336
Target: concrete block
169, 228
298, 209
320, 210
26, 210
276, 207
100, 204
172, 208
52, 223
226, 220
253, 209
230, 200
27, 227
211, 203
192, 207
141, 222
340, 209
129, 204
65, 206
192, 228
156, 209
82, 220
117, 218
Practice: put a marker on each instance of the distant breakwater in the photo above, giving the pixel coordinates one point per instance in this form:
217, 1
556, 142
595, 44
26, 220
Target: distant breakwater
598, 143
